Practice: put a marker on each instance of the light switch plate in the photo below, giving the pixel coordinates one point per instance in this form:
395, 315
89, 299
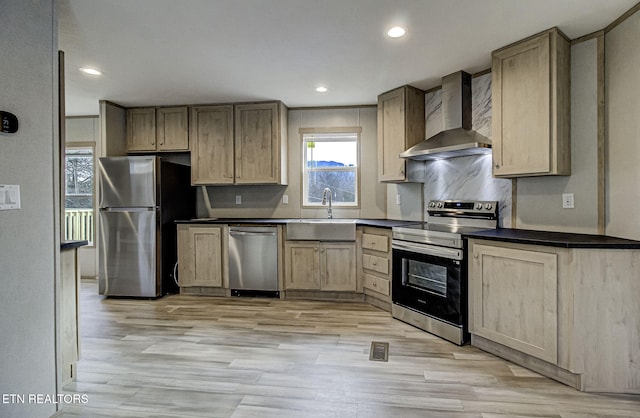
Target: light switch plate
285, 199
398, 199
238, 199
9, 196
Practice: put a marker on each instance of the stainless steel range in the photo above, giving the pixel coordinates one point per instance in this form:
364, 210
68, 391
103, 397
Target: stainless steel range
429, 282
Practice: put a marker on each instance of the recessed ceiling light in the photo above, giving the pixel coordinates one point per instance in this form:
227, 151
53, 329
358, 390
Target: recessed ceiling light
321, 89
91, 71
396, 32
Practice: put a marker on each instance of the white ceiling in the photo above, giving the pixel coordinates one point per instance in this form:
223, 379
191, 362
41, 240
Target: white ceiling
163, 52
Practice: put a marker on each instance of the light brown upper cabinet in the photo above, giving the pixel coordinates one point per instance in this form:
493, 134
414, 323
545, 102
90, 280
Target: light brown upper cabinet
239, 144
211, 134
141, 129
531, 107
151, 129
172, 128
261, 143
401, 125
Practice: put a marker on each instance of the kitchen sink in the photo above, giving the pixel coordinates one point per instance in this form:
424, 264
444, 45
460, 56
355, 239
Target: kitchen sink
322, 229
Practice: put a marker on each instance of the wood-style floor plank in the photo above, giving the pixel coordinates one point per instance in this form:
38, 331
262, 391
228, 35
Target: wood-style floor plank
191, 356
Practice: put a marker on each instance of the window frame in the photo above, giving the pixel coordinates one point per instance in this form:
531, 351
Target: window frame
94, 198
305, 132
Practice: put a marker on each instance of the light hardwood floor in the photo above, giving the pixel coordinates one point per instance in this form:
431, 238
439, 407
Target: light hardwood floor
195, 356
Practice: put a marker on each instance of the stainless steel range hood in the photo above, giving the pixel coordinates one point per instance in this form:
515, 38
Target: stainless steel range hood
457, 139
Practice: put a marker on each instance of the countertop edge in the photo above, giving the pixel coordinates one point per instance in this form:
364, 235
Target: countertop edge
554, 239
69, 245
380, 223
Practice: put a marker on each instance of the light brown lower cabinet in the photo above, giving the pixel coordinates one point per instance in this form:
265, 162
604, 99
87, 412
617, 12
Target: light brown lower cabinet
315, 265
201, 255
568, 313
374, 267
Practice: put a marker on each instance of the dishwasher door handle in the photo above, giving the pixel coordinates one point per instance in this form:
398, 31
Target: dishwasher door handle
251, 234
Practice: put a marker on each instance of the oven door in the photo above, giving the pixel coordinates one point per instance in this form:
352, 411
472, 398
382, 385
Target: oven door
429, 279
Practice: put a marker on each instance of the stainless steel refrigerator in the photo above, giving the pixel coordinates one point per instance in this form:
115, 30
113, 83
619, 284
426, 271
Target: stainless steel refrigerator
139, 199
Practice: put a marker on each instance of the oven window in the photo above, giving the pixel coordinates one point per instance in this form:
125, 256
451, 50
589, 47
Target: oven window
431, 278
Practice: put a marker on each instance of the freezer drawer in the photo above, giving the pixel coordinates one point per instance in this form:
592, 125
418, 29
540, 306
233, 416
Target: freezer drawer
253, 258
128, 253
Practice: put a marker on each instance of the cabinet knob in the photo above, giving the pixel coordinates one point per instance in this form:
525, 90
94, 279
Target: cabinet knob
322, 250
497, 165
475, 255
375, 263
375, 284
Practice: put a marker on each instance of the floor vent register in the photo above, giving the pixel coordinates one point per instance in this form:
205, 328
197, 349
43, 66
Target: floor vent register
379, 351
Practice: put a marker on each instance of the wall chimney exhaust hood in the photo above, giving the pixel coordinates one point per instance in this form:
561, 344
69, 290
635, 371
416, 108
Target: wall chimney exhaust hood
457, 139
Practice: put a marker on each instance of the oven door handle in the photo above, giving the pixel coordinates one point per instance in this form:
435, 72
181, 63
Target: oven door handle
442, 252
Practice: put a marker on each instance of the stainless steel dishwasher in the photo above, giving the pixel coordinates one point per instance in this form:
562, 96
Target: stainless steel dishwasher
253, 260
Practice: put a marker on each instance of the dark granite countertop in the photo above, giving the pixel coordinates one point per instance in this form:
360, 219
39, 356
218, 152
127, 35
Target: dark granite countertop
380, 223
69, 245
554, 239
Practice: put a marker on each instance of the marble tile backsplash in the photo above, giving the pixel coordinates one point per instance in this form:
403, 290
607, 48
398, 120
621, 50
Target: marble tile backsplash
466, 178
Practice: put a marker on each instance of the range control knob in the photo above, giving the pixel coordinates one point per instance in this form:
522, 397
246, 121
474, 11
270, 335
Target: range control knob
432, 204
440, 205
478, 206
488, 206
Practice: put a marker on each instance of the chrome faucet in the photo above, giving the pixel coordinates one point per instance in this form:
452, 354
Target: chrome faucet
327, 192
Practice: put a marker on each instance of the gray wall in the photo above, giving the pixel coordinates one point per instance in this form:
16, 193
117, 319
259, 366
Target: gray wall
622, 95
539, 199
266, 201
30, 236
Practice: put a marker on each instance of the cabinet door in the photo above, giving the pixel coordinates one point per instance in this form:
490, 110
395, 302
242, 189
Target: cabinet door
338, 267
391, 132
173, 129
141, 129
531, 107
401, 125
302, 265
200, 256
211, 135
514, 297
257, 144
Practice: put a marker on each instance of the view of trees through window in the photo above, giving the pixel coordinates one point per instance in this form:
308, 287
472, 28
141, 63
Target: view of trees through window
78, 200
331, 160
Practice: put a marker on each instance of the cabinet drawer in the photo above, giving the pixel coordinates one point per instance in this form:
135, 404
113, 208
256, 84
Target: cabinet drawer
376, 284
372, 262
375, 242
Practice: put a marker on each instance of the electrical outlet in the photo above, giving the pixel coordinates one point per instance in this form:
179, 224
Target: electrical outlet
238, 199
285, 199
567, 201
398, 199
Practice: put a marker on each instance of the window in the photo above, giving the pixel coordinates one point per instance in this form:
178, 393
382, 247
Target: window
330, 160
78, 198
